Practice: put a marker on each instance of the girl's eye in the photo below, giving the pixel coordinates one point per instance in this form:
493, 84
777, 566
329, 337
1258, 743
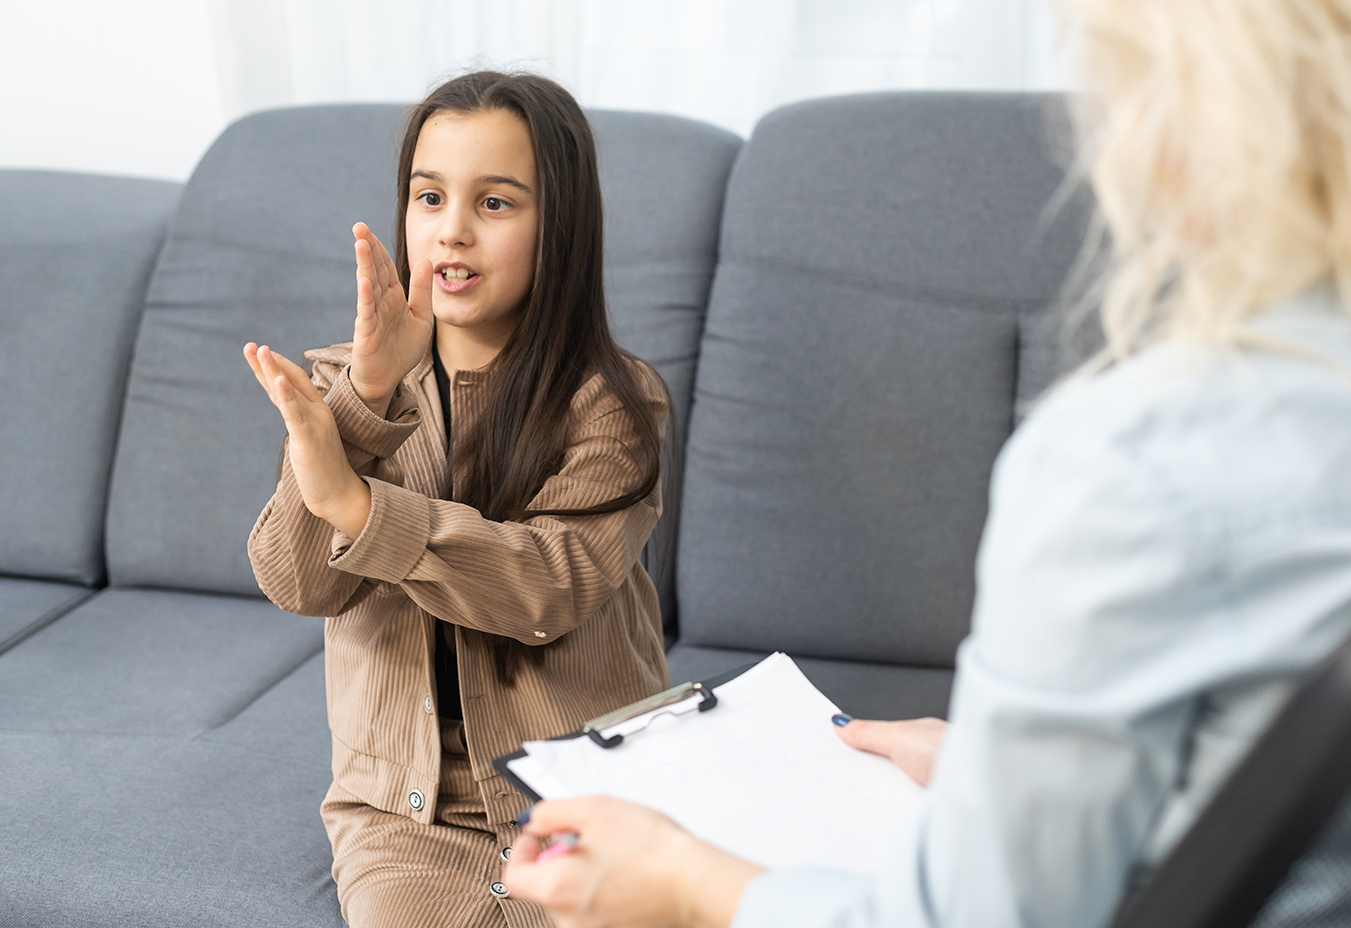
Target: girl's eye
430, 198
493, 204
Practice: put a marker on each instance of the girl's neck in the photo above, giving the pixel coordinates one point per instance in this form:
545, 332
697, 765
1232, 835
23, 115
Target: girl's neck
468, 350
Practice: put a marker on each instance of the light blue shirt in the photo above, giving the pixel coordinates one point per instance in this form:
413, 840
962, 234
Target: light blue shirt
1168, 551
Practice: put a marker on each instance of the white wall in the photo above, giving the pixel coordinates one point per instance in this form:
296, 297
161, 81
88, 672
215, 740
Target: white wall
121, 86
141, 87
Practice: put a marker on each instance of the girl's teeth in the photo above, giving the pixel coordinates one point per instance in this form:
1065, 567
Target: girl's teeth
455, 273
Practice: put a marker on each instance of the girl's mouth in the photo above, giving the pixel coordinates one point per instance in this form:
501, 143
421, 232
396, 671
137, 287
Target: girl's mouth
456, 278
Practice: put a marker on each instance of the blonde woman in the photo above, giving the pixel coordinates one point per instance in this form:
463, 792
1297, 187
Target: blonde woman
1168, 548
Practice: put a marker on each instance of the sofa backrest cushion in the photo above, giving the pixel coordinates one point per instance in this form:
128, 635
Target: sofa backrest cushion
261, 250
663, 179
76, 252
880, 257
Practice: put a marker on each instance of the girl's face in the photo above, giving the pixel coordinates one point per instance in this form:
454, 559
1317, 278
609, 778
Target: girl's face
472, 212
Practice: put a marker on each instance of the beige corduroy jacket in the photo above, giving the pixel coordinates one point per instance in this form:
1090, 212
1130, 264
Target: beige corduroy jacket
571, 584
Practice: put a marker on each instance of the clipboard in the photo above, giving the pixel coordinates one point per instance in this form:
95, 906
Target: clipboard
594, 728
760, 772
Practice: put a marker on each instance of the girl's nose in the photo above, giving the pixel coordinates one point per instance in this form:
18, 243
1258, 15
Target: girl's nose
456, 228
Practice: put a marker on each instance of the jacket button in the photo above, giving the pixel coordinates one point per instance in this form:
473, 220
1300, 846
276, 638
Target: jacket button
415, 800
505, 853
499, 890
541, 635
427, 704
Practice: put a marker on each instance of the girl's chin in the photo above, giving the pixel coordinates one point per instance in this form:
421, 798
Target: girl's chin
473, 322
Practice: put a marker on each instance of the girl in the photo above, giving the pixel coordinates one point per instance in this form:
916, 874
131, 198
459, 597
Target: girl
466, 490
1168, 549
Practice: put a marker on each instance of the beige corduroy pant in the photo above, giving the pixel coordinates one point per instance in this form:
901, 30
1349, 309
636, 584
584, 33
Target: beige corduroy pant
393, 872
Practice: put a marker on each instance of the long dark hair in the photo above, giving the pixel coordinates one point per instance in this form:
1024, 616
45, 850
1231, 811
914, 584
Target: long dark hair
563, 336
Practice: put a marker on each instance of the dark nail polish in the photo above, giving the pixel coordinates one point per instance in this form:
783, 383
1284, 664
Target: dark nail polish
523, 816
841, 719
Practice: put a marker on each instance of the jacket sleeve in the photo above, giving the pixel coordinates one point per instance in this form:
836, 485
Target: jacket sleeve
289, 546
1159, 569
533, 580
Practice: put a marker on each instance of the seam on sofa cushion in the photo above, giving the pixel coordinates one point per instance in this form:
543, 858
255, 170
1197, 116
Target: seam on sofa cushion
46, 619
241, 709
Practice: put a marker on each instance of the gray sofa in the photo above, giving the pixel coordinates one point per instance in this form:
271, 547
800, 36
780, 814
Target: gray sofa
849, 309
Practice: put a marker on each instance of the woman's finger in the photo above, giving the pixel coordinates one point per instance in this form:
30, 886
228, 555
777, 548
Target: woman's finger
553, 815
871, 736
525, 849
912, 745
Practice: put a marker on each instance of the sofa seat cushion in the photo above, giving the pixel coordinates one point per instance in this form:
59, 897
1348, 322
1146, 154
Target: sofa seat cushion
148, 662
217, 829
864, 690
27, 605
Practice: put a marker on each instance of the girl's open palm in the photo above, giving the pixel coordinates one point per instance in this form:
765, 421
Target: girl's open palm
328, 485
391, 332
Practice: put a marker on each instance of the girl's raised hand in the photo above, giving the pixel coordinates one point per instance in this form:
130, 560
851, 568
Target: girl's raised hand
328, 485
391, 332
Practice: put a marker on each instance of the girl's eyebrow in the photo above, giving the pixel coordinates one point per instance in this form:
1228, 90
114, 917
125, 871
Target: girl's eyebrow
503, 179
485, 179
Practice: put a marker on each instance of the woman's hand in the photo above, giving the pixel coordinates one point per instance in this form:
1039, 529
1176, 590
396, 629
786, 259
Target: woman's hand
328, 485
911, 745
632, 868
391, 333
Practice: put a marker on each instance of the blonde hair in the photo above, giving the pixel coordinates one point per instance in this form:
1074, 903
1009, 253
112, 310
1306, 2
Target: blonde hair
1217, 137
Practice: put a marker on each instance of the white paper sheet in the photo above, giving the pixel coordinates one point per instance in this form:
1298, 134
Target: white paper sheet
763, 775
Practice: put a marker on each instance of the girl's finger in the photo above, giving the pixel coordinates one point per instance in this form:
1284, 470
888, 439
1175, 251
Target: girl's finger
366, 269
269, 372
297, 378
389, 274
294, 410
383, 272
251, 356
275, 365
261, 376
420, 290
285, 399
365, 298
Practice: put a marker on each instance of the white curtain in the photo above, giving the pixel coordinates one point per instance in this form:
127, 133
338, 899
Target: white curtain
724, 61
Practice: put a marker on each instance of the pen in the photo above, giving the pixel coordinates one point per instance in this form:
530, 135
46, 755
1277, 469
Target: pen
560, 846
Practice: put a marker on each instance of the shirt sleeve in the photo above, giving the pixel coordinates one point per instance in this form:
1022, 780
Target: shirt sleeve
532, 580
1149, 590
289, 546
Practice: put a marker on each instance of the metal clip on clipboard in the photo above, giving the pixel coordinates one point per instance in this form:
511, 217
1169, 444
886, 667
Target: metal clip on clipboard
675, 694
